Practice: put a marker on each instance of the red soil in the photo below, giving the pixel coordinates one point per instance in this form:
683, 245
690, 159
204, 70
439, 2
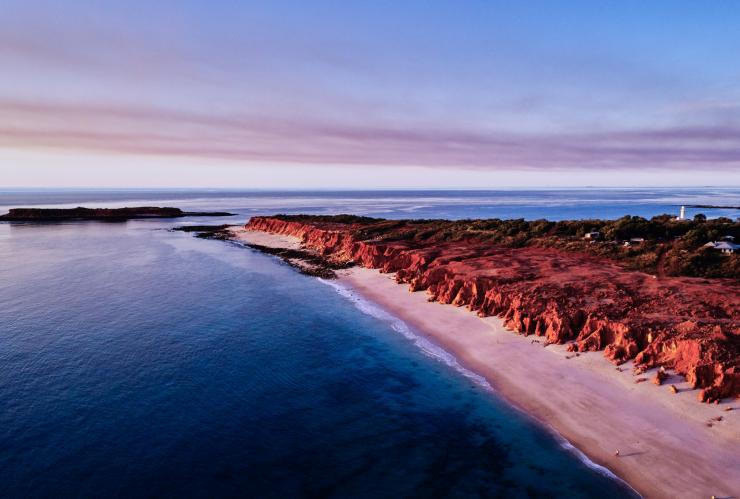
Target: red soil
687, 324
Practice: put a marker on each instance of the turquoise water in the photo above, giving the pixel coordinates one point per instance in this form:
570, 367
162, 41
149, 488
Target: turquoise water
135, 361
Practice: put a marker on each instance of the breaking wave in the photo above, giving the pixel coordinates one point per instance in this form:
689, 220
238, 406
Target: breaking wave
426, 346
438, 353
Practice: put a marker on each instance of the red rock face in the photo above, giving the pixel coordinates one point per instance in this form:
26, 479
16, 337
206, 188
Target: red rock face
687, 324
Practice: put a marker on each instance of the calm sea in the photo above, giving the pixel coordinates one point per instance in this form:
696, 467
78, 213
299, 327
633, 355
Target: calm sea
140, 362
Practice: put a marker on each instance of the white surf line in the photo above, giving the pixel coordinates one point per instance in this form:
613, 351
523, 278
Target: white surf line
427, 347
438, 353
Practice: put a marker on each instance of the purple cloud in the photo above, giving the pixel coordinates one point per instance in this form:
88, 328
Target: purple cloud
246, 137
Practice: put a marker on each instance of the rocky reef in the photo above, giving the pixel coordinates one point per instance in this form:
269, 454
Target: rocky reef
80, 213
207, 231
690, 325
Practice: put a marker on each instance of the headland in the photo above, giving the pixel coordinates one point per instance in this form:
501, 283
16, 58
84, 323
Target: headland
677, 332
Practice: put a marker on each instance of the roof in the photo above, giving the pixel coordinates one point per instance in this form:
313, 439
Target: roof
724, 245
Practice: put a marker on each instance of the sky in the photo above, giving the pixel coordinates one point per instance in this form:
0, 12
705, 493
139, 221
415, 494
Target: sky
369, 94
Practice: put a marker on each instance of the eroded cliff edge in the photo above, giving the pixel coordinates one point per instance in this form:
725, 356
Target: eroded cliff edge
690, 325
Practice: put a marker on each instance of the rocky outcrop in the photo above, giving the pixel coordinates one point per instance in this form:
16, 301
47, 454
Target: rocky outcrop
687, 324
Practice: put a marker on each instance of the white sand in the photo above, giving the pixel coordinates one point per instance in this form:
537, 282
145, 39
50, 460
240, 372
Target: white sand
666, 448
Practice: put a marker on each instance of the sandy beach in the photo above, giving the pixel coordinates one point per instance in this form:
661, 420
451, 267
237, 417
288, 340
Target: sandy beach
670, 445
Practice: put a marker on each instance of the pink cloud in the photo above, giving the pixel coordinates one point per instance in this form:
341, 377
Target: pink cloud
311, 140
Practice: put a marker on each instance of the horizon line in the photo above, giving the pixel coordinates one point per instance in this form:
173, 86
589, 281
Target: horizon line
354, 189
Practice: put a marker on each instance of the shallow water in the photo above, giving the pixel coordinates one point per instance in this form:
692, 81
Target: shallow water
135, 361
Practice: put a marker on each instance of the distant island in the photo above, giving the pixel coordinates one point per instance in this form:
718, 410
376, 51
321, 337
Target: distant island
714, 207
113, 214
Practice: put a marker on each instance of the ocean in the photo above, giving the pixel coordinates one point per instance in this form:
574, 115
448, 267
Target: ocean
140, 362
560, 204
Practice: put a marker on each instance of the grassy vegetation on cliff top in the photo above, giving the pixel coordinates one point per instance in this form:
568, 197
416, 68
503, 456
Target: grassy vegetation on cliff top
670, 247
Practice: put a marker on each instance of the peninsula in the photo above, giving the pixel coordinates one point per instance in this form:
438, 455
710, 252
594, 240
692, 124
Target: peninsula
114, 214
568, 301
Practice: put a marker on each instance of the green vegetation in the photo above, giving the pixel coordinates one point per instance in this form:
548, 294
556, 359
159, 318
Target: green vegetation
339, 219
660, 245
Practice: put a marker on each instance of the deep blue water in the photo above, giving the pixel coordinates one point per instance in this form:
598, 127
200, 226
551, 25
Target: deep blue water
135, 361
531, 204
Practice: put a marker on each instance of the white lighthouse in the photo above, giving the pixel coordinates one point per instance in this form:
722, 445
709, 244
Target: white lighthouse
682, 216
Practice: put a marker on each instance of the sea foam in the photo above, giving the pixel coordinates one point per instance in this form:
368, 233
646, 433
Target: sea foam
426, 346
438, 353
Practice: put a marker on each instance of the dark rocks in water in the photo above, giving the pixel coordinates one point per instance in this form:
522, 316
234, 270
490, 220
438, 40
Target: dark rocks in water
207, 231
80, 213
202, 228
307, 262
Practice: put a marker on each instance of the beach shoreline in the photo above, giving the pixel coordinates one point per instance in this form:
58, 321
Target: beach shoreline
666, 446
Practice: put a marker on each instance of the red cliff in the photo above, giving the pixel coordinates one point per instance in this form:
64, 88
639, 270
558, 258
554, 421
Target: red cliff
688, 324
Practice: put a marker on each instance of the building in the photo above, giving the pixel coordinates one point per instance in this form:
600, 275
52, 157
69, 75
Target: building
682, 214
725, 247
634, 241
592, 235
